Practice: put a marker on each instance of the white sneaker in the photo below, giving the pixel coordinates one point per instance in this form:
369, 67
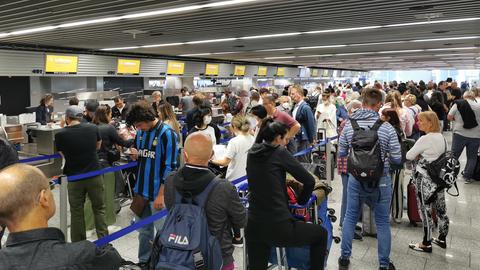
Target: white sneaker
113, 228
90, 234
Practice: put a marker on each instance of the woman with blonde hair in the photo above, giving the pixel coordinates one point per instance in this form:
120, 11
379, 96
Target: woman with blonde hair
166, 114
394, 101
429, 196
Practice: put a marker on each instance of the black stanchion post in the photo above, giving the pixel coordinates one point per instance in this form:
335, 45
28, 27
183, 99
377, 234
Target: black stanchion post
328, 163
63, 203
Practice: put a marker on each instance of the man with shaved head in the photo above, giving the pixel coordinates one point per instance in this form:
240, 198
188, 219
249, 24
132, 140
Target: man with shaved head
223, 208
26, 205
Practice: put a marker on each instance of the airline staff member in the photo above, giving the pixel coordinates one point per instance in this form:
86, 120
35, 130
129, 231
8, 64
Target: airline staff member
43, 113
156, 150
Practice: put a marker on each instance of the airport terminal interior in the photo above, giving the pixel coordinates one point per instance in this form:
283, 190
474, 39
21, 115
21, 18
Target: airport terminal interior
365, 113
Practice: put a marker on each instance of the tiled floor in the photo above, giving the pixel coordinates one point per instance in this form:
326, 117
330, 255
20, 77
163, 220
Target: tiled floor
463, 240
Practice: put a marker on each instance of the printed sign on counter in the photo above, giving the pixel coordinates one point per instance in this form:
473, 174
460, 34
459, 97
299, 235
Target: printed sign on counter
239, 71
280, 71
262, 71
61, 63
128, 66
212, 69
175, 68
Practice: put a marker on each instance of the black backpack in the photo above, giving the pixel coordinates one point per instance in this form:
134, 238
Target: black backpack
365, 161
444, 171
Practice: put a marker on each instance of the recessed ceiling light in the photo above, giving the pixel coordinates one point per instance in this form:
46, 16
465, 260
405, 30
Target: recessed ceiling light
357, 53
315, 55
225, 52
441, 39
162, 45
279, 57
272, 35
33, 30
196, 54
274, 50
452, 49
433, 22
401, 51
343, 29
321, 47
211, 40
87, 22
120, 48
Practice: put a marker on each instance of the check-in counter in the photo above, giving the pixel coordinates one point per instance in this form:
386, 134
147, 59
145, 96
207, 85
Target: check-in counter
45, 138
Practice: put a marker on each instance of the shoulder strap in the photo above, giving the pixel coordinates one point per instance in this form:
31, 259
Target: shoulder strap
354, 124
456, 187
202, 198
445, 140
377, 124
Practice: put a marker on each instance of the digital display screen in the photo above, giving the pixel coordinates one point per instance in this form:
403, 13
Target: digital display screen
61, 63
128, 66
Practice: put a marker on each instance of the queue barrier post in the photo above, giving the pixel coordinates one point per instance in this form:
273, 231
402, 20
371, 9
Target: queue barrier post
63, 203
328, 163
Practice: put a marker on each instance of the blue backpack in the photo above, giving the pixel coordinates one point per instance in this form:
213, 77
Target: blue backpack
185, 242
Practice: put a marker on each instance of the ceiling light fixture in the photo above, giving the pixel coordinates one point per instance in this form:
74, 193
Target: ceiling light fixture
321, 47
162, 45
378, 43
87, 22
442, 39
343, 29
279, 57
401, 51
357, 53
272, 35
315, 55
452, 49
432, 22
225, 52
32, 30
210, 40
274, 50
121, 48
196, 54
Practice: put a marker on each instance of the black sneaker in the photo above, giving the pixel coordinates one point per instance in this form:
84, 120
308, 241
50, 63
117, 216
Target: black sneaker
390, 267
357, 236
439, 243
343, 263
237, 243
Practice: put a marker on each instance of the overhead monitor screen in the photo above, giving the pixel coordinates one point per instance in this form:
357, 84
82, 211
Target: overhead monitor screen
239, 71
128, 66
314, 73
262, 71
212, 69
281, 71
61, 64
175, 68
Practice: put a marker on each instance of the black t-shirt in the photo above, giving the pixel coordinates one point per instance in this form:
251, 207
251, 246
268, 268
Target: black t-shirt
439, 110
110, 137
78, 144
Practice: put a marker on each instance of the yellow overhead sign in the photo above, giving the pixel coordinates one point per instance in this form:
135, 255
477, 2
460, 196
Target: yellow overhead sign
262, 71
61, 63
128, 66
325, 73
212, 69
281, 71
314, 73
175, 67
239, 71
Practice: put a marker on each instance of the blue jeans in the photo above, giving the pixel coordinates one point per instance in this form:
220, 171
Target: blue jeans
344, 197
379, 200
472, 144
146, 234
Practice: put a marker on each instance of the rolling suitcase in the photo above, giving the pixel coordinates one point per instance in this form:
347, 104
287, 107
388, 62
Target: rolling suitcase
369, 228
412, 211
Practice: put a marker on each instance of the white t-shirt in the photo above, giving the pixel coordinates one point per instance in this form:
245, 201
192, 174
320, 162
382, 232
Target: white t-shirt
210, 131
430, 146
237, 151
458, 123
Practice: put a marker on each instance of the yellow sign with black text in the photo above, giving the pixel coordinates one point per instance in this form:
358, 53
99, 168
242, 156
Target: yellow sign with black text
262, 71
128, 66
239, 71
175, 68
61, 63
212, 69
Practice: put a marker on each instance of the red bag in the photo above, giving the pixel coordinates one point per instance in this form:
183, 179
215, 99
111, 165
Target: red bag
412, 211
302, 214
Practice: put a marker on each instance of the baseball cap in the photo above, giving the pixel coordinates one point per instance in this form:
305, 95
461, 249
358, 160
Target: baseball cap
74, 111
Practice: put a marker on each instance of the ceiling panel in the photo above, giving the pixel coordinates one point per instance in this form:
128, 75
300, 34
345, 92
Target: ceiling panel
261, 17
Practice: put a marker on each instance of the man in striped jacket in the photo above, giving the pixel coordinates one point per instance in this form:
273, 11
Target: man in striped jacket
379, 197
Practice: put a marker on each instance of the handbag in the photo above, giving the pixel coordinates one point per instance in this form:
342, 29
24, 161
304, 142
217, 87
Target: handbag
138, 204
113, 155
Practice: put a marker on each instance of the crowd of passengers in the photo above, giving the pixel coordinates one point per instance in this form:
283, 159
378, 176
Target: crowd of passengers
267, 128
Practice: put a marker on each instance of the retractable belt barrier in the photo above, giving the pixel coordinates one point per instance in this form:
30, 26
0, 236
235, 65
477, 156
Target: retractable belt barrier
143, 222
44, 157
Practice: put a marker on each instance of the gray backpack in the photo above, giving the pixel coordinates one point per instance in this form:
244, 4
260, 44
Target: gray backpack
185, 242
